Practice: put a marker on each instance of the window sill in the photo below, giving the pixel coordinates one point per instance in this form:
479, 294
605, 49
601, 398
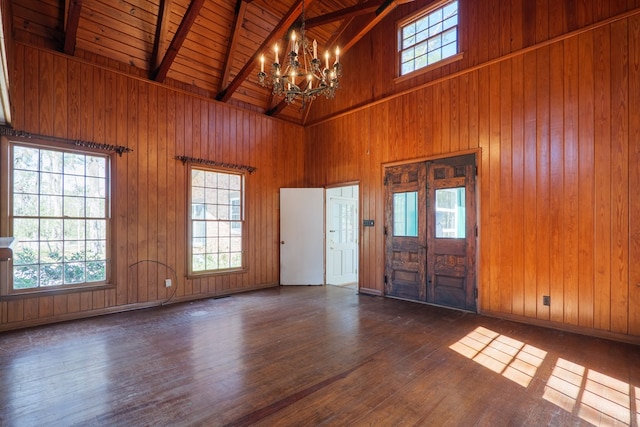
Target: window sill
6, 248
450, 60
210, 273
58, 290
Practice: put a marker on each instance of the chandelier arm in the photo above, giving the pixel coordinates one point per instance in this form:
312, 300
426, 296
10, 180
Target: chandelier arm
316, 79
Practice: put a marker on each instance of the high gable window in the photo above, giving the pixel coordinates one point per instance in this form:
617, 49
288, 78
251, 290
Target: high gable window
428, 38
60, 218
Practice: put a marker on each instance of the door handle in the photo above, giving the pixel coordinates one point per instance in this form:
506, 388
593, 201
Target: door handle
282, 242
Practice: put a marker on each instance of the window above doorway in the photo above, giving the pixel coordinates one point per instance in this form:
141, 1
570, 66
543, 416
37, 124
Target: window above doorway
428, 38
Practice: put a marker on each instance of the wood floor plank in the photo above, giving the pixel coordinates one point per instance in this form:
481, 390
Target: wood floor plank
311, 356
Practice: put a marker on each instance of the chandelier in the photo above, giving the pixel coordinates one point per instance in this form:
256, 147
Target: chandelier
302, 75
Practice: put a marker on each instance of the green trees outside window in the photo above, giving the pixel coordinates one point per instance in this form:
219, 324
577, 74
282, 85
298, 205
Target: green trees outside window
59, 217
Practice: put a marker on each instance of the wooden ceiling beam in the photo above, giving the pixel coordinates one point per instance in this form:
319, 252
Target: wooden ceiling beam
277, 109
163, 19
269, 102
176, 43
348, 12
387, 7
280, 106
71, 27
283, 26
241, 7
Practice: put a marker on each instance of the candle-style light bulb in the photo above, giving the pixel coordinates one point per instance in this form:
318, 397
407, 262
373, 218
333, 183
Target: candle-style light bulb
310, 80
277, 59
337, 55
315, 49
262, 63
326, 58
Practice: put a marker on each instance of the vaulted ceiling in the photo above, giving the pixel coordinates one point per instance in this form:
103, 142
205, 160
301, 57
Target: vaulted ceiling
211, 47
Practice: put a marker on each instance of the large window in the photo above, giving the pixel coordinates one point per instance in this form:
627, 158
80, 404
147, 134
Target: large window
217, 215
60, 218
428, 38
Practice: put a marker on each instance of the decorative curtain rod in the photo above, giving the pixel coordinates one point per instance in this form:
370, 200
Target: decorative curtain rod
8, 131
185, 159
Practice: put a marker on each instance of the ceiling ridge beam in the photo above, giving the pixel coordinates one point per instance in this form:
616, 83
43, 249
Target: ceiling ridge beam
241, 8
283, 26
178, 38
71, 27
347, 12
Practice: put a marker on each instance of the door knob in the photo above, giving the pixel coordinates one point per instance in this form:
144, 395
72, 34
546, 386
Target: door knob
282, 242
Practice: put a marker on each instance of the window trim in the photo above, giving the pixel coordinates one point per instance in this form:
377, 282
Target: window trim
189, 252
6, 219
414, 17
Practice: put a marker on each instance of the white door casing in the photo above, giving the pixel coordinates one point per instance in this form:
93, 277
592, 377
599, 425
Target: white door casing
342, 235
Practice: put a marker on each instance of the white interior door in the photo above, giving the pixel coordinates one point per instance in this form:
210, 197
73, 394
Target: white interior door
301, 236
342, 235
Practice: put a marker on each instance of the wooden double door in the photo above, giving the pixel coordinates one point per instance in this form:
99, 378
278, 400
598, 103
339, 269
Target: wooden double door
430, 232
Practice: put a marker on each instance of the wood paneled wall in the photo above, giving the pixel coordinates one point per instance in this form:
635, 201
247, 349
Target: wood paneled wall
63, 97
558, 126
489, 29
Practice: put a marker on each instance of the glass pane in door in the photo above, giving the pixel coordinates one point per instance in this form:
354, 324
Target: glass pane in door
405, 214
450, 213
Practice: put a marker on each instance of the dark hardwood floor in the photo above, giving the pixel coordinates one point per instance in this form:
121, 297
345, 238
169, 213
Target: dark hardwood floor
312, 356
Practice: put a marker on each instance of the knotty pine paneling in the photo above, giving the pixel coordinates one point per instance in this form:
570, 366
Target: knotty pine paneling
68, 98
558, 129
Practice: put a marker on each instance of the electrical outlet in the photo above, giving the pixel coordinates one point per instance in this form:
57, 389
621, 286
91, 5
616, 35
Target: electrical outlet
546, 300
167, 283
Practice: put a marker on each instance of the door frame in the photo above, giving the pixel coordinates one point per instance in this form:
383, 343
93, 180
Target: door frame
358, 222
479, 163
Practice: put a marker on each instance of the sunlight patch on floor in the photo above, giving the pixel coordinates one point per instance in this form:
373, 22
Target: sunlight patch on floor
637, 394
509, 357
563, 387
597, 398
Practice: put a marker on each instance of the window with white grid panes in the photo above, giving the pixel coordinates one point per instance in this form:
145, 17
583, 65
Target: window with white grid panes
59, 217
216, 218
428, 38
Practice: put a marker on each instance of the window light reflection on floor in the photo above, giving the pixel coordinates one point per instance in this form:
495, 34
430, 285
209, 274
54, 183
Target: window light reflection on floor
637, 393
597, 398
563, 387
509, 357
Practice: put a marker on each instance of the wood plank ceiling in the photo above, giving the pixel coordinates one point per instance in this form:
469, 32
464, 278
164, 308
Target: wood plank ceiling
211, 47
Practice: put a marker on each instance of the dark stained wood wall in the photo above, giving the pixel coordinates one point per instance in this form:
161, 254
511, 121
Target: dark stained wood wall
64, 97
558, 128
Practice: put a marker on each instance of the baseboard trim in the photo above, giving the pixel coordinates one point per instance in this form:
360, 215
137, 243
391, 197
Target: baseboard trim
124, 308
370, 291
596, 333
